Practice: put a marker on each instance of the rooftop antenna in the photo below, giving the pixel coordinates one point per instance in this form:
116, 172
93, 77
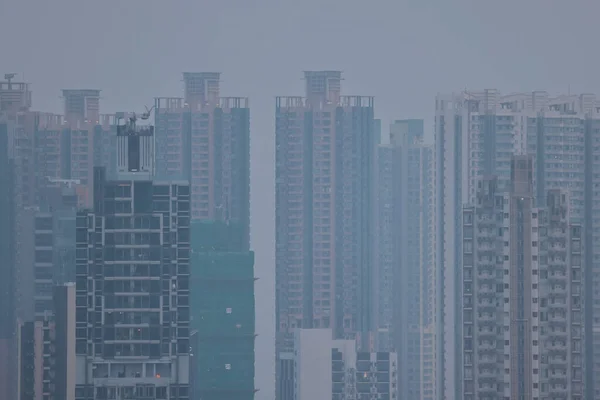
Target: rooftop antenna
9, 77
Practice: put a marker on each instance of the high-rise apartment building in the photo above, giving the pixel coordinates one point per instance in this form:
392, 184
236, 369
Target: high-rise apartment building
47, 350
50, 145
105, 142
325, 150
476, 135
205, 138
18, 177
17, 121
404, 261
78, 136
132, 275
44, 149
522, 293
328, 368
68, 146
384, 248
8, 290
54, 241
222, 313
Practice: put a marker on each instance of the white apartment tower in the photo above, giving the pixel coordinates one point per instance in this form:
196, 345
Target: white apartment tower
327, 368
476, 135
522, 320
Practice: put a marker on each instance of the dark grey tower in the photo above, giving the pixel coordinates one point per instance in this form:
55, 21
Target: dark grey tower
132, 275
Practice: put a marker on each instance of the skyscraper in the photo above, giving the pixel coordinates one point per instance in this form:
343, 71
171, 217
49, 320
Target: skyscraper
16, 118
205, 138
222, 313
68, 146
17, 169
132, 274
64, 344
77, 137
384, 248
7, 269
325, 149
476, 135
54, 241
47, 359
522, 293
404, 261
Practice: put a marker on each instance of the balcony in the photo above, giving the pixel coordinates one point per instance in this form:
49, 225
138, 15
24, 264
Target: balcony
487, 374
556, 348
486, 345
557, 360
486, 289
557, 317
557, 334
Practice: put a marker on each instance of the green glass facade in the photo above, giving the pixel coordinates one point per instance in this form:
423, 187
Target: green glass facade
223, 313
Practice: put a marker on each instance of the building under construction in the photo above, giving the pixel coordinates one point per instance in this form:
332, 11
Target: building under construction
222, 313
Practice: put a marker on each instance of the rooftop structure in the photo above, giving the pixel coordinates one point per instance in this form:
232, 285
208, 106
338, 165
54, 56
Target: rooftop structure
14, 96
201, 88
82, 105
135, 148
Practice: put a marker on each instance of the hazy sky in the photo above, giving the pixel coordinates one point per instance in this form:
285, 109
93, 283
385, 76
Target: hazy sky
402, 52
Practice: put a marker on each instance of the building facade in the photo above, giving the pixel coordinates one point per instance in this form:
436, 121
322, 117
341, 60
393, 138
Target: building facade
384, 242
54, 241
47, 350
222, 313
522, 318
327, 368
17, 176
406, 263
324, 207
8, 290
132, 275
476, 135
205, 138
81, 106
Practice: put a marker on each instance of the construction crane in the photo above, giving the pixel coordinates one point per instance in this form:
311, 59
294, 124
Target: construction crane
146, 115
129, 127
